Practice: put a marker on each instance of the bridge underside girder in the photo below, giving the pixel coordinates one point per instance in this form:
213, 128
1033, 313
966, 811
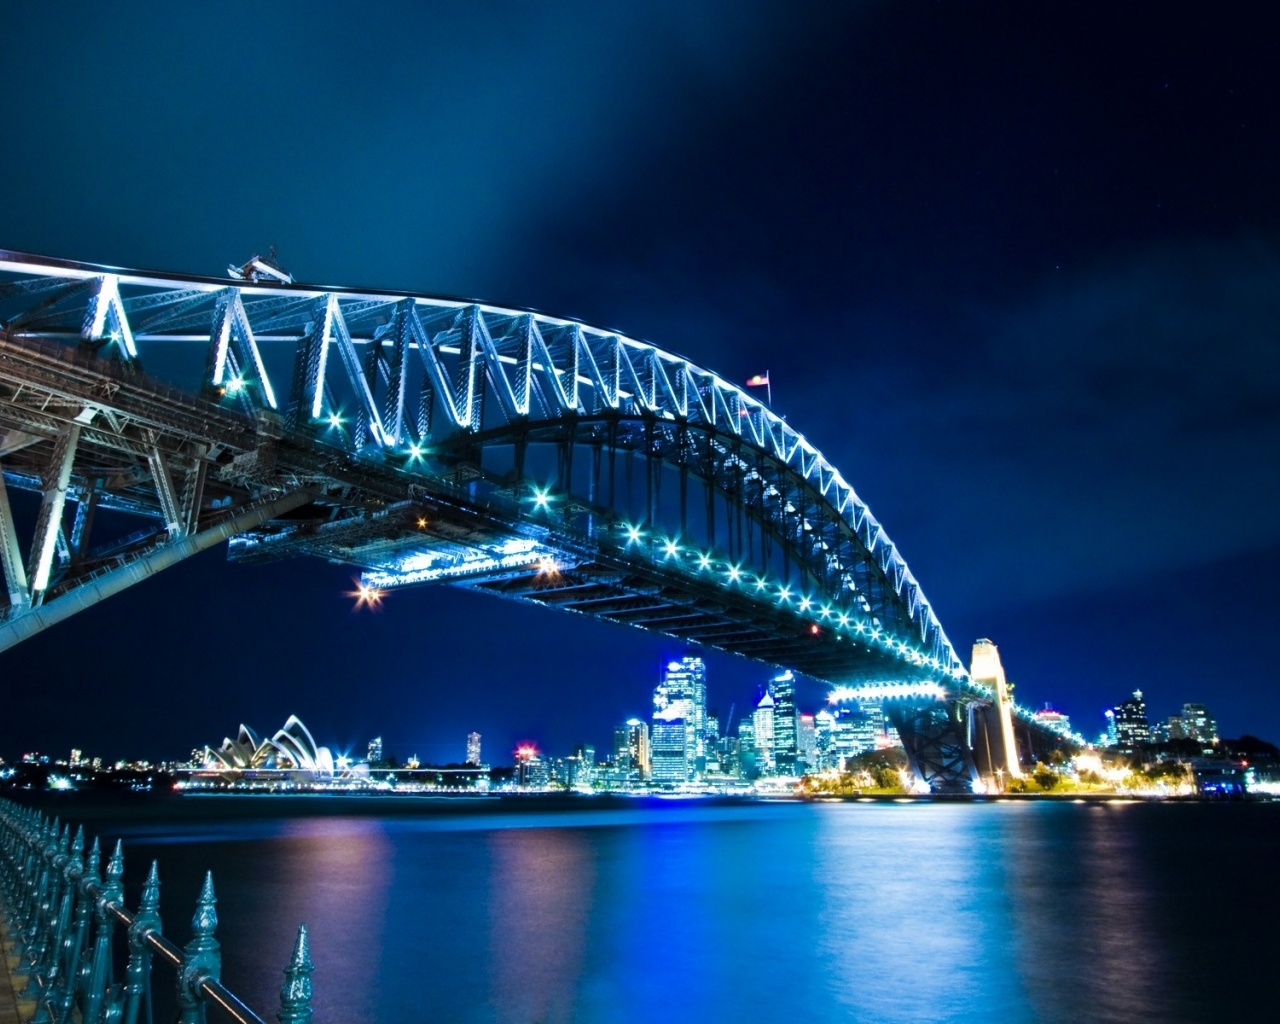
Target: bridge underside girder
935, 739
564, 573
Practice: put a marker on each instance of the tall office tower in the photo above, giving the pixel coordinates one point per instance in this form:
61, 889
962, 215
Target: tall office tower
865, 729
806, 743
669, 752
1132, 727
762, 720
824, 724
631, 747
1112, 734
622, 746
727, 756
532, 772
748, 756
375, 750
878, 726
582, 767
77, 756
785, 738
473, 748
1198, 724
683, 694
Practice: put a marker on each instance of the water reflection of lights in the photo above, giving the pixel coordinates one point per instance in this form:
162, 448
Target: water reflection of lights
545, 876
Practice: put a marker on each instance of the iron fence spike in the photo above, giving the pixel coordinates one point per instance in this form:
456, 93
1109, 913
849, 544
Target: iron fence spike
295, 995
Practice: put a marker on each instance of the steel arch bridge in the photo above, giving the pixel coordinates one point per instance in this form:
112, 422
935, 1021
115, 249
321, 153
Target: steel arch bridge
431, 440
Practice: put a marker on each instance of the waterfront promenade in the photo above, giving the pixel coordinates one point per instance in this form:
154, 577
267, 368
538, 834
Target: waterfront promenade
9, 1004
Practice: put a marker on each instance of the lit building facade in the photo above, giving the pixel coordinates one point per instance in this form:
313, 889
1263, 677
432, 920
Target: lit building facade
1132, 727
669, 752
473, 748
807, 742
785, 729
682, 694
531, 771
748, 755
375, 750
1052, 718
843, 733
631, 748
1198, 724
582, 767
762, 720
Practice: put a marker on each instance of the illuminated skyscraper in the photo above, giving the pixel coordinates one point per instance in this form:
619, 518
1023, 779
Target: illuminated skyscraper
375, 750
532, 772
843, 733
582, 767
669, 752
748, 755
473, 748
762, 720
631, 747
806, 743
1198, 724
1132, 727
785, 738
682, 695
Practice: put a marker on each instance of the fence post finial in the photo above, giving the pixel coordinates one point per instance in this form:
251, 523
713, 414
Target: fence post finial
295, 996
202, 959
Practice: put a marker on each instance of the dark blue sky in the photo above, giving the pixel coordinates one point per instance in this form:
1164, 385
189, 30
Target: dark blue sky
1012, 267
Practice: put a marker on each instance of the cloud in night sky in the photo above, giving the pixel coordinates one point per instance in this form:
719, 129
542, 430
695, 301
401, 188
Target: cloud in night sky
1131, 410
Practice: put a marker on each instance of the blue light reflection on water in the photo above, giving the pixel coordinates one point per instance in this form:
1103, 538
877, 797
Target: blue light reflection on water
759, 912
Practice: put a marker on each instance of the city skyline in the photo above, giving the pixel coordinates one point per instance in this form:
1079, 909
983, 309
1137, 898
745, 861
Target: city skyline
1010, 269
1128, 723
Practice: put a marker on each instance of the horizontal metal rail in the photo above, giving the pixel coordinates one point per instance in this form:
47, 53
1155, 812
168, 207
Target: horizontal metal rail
63, 917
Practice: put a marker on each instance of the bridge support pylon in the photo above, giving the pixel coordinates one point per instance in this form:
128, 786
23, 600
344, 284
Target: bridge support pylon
935, 738
994, 745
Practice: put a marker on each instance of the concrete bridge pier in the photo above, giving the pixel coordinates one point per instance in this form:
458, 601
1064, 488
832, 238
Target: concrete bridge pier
992, 739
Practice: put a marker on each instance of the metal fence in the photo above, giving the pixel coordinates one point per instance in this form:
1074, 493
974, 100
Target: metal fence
63, 918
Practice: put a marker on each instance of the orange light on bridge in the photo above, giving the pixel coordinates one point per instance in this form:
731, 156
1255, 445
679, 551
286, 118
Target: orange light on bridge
366, 596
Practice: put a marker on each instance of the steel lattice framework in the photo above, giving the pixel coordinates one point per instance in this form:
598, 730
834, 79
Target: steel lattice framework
435, 440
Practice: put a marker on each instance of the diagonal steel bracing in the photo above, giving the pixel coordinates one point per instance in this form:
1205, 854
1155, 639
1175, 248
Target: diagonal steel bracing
143, 566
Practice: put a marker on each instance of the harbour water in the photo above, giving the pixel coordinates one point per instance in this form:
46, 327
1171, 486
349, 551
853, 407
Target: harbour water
686, 910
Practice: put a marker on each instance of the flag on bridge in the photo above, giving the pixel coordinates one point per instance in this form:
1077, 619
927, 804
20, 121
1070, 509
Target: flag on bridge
761, 380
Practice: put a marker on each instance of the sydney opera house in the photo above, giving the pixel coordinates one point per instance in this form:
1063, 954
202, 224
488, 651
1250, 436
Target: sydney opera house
290, 754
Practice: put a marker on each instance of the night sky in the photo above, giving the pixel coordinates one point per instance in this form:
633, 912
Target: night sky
1013, 268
